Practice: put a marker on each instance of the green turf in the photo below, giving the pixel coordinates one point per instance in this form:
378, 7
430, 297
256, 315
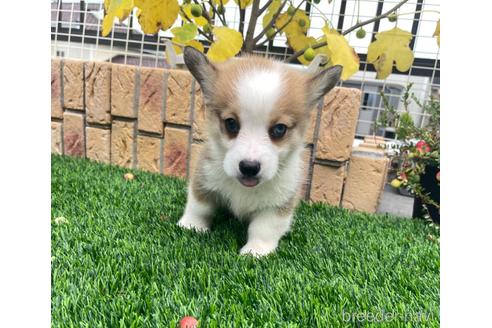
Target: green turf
121, 261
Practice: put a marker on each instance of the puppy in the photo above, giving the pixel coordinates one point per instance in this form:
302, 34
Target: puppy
257, 113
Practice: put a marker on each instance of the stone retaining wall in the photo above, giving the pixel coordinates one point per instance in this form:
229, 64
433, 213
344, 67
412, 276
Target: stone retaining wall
153, 119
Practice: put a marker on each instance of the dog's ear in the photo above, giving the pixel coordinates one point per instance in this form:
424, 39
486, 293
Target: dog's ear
321, 83
201, 68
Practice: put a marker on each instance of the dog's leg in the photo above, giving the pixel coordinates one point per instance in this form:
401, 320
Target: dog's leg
197, 214
265, 231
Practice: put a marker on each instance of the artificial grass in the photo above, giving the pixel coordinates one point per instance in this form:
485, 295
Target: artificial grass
121, 261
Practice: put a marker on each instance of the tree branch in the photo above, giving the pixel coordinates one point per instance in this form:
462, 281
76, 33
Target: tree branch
270, 24
301, 52
216, 13
265, 7
242, 14
249, 41
204, 12
209, 38
372, 20
369, 21
223, 12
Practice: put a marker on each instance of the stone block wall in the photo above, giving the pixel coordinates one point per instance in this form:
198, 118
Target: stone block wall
153, 119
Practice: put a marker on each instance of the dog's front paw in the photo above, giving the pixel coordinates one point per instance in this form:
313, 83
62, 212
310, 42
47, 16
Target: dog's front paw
198, 224
258, 248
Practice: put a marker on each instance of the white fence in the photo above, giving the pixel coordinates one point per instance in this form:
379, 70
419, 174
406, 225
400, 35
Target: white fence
76, 33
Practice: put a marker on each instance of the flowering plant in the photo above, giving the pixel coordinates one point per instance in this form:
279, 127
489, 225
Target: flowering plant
418, 150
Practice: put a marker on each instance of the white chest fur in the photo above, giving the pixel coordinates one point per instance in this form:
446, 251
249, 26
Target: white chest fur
243, 201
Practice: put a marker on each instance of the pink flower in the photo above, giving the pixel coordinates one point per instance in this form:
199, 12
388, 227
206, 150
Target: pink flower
422, 147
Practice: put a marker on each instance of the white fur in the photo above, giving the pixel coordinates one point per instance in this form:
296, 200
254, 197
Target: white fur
280, 174
270, 194
197, 214
257, 92
264, 233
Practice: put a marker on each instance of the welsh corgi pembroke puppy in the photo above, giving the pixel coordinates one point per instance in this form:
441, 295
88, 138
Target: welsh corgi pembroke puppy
257, 112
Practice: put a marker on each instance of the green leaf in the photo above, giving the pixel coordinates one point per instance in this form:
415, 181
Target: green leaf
299, 42
185, 33
200, 21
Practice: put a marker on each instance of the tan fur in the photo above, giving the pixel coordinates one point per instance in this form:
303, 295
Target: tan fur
228, 74
289, 207
290, 108
200, 192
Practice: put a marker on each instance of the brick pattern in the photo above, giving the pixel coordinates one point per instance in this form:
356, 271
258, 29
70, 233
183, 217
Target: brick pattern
155, 120
149, 153
338, 124
178, 97
56, 89
365, 181
98, 144
122, 143
56, 138
98, 92
150, 106
73, 134
327, 184
123, 85
175, 151
73, 84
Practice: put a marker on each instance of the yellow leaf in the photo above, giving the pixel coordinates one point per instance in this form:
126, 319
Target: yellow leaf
197, 45
227, 44
293, 27
437, 33
243, 3
193, 43
218, 2
339, 52
157, 14
299, 42
177, 45
200, 21
390, 46
272, 9
115, 8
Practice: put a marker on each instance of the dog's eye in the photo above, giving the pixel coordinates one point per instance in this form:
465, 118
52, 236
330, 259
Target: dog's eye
232, 126
278, 131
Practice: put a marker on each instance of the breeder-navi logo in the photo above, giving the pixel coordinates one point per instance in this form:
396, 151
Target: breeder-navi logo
383, 316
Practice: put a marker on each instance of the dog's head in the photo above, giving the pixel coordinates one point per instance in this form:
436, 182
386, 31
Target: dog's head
258, 110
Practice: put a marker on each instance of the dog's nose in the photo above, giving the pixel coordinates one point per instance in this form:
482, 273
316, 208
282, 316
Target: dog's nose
249, 168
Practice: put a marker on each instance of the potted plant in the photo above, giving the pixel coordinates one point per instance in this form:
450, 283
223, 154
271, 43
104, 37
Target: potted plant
416, 157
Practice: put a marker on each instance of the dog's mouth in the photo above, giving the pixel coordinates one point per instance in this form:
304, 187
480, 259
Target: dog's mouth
249, 181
